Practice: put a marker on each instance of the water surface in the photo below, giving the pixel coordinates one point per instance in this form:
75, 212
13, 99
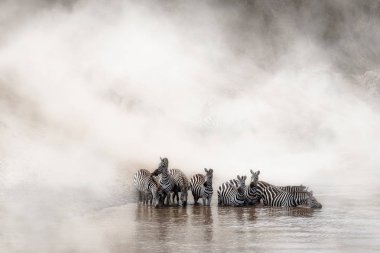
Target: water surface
346, 222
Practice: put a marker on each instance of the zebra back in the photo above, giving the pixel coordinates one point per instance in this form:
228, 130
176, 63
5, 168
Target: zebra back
294, 188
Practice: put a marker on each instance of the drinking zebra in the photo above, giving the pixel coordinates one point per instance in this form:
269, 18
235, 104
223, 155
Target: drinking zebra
181, 185
148, 188
274, 196
201, 187
166, 181
230, 195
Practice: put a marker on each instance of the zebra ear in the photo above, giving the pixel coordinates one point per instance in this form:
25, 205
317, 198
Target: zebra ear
244, 177
161, 158
211, 171
238, 177
252, 172
258, 172
206, 170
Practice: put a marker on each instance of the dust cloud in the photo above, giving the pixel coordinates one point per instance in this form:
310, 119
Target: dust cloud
90, 91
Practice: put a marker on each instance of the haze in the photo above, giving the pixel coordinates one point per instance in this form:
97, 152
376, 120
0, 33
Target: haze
91, 91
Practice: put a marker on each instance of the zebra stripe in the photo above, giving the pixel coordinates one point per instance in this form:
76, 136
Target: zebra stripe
166, 181
148, 188
196, 183
293, 188
207, 189
251, 191
181, 185
288, 188
274, 196
231, 195
201, 187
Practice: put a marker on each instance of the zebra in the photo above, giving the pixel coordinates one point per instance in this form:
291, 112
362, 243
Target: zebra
167, 182
230, 195
181, 184
250, 193
148, 188
274, 196
289, 188
201, 187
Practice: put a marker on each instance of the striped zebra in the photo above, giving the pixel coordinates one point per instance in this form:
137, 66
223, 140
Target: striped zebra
274, 196
250, 193
181, 184
230, 195
148, 188
201, 187
166, 180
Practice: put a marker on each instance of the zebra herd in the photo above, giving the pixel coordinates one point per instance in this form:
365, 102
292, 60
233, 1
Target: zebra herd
162, 186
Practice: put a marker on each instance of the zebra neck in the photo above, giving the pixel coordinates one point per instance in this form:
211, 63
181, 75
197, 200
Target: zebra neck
152, 186
208, 184
301, 198
165, 173
251, 189
241, 195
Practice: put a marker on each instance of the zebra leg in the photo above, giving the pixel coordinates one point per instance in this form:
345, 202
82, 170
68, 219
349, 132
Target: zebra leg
208, 201
194, 197
204, 200
175, 194
168, 198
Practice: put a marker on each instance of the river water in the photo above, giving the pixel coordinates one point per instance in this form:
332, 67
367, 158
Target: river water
347, 222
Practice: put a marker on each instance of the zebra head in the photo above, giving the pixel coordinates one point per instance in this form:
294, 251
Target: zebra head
183, 198
164, 164
254, 178
312, 201
208, 177
160, 196
241, 179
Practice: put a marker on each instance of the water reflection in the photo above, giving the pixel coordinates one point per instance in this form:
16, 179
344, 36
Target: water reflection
202, 221
289, 211
259, 228
238, 215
